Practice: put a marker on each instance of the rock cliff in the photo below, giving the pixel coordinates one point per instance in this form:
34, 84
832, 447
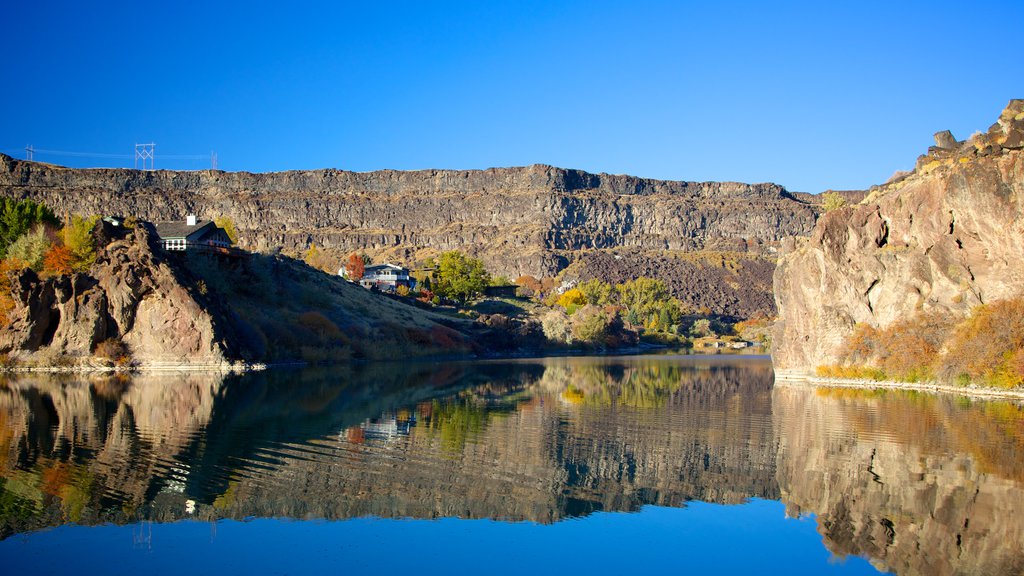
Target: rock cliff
131, 294
942, 239
532, 220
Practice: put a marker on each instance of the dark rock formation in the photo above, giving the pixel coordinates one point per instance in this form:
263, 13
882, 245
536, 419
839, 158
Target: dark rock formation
943, 239
530, 220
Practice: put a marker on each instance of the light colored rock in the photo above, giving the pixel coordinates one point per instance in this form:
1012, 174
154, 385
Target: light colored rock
944, 239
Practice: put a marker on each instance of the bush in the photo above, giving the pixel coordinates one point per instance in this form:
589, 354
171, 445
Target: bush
989, 345
556, 327
114, 350
832, 201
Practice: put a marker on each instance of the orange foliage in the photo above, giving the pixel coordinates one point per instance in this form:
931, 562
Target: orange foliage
7, 266
355, 267
58, 260
989, 345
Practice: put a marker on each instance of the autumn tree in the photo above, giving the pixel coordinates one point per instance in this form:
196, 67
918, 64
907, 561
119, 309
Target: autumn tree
59, 261
355, 267
78, 239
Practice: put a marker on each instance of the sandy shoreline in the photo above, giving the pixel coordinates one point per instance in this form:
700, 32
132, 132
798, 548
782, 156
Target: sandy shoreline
800, 379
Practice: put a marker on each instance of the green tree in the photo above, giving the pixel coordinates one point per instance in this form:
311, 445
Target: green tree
18, 217
459, 276
597, 292
702, 328
643, 296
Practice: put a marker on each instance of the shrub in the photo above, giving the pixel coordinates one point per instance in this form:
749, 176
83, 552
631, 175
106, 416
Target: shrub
556, 327
402, 290
832, 201
114, 350
989, 345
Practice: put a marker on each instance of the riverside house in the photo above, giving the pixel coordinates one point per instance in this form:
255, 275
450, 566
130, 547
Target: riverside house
386, 277
192, 235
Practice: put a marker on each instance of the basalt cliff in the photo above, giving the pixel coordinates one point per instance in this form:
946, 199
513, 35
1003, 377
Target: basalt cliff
939, 241
533, 220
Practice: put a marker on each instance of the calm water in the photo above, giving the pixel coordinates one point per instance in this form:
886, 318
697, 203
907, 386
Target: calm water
592, 465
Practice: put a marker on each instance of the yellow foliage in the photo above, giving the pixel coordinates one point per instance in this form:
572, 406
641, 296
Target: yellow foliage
573, 297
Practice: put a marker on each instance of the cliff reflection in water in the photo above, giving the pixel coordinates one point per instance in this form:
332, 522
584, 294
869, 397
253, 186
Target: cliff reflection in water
918, 484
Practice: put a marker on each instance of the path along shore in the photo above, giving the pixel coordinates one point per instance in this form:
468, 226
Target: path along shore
790, 378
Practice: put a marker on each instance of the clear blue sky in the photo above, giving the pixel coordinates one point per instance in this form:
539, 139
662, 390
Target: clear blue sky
810, 95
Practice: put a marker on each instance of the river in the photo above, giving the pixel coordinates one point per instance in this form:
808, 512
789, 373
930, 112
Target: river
687, 464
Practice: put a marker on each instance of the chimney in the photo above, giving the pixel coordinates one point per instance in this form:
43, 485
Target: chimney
190, 220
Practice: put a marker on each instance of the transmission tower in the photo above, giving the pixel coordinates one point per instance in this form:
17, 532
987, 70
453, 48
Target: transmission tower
29, 151
213, 160
145, 152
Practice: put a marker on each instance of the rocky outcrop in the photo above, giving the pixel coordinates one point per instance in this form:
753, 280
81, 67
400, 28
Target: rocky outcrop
942, 239
131, 294
530, 220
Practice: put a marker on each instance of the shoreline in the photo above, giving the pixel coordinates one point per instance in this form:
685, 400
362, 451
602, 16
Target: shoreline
786, 378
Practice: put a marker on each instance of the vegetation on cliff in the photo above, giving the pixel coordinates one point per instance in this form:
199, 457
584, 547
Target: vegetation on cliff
985, 348
921, 280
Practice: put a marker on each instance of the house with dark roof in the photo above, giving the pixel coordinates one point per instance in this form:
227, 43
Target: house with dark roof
387, 277
192, 235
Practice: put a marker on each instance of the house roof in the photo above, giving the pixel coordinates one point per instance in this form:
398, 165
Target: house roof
379, 267
180, 229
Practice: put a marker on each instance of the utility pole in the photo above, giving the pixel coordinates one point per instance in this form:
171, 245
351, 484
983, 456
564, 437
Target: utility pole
145, 152
29, 151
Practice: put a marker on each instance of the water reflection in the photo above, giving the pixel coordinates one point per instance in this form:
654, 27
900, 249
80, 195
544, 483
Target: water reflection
918, 484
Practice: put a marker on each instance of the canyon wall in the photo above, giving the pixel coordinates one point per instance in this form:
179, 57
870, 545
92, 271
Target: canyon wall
941, 240
530, 220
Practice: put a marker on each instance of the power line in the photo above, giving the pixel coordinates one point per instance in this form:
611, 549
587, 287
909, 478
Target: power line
146, 153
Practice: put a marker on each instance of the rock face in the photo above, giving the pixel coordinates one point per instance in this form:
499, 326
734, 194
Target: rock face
943, 239
130, 294
529, 220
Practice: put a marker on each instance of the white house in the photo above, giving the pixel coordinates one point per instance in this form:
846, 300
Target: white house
192, 234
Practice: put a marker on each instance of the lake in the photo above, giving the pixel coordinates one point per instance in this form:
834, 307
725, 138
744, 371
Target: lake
686, 464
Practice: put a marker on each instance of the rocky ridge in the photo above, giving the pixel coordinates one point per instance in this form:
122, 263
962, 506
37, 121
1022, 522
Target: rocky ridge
942, 239
531, 220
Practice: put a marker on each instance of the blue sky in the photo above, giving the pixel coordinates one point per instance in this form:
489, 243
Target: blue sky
809, 95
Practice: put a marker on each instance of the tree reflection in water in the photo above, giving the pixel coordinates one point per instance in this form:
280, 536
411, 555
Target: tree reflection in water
917, 483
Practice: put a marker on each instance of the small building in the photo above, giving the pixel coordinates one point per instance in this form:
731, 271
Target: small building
504, 291
386, 277
192, 235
